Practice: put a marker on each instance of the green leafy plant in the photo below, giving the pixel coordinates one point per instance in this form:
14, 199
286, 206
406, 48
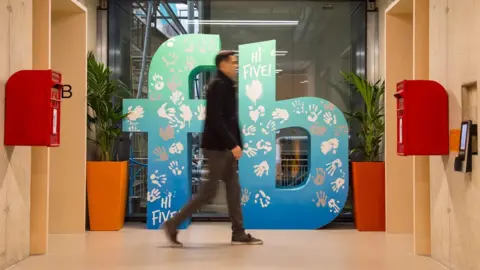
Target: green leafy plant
372, 125
104, 116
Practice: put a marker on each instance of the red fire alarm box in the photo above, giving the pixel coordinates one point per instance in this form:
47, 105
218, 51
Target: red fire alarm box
32, 108
422, 118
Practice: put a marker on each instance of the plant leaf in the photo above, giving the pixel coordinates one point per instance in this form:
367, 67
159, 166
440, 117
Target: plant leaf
102, 91
371, 120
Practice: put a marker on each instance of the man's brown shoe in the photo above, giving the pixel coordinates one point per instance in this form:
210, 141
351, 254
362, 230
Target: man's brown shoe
171, 234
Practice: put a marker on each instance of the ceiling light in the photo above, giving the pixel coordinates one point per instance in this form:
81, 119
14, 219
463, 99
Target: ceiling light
243, 22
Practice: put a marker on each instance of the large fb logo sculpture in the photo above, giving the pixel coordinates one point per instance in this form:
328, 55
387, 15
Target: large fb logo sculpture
169, 115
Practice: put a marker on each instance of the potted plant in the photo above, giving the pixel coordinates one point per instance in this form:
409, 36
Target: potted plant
106, 178
368, 175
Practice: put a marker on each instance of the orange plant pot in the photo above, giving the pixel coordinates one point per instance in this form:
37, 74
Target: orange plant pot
107, 194
369, 195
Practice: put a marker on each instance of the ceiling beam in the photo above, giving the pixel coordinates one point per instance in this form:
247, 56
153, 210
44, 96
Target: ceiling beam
175, 20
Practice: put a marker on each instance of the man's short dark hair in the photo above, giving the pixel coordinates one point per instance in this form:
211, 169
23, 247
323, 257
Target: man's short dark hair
223, 56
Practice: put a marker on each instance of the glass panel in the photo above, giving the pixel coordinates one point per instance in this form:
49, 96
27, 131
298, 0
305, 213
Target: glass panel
316, 40
329, 38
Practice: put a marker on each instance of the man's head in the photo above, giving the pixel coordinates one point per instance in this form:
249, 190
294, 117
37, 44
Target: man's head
226, 62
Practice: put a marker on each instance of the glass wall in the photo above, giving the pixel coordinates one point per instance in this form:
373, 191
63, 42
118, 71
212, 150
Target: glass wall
325, 39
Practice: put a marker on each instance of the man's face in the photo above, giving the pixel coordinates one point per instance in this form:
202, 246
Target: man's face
230, 66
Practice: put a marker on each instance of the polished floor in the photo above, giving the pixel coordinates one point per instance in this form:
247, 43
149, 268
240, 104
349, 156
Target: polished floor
207, 248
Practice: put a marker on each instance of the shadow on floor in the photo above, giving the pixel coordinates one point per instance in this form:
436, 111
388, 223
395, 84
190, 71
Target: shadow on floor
331, 226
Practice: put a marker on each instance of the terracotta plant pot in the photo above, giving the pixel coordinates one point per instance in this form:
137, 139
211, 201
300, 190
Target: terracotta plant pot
369, 195
107, 194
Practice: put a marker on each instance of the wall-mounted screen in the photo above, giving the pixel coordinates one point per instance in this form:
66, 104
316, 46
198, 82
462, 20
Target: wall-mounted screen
463, 137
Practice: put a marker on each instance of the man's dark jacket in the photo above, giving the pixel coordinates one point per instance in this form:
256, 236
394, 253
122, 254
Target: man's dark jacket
222, 128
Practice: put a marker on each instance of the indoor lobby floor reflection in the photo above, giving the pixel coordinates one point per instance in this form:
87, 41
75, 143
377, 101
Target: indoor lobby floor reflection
206, 247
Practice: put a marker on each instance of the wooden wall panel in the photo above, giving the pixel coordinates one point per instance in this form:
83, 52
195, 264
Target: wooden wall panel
68, 181
455, 197
398, 170
15, 54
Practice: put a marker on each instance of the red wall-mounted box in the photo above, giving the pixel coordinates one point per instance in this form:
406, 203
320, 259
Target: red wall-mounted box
422, 118
32, 108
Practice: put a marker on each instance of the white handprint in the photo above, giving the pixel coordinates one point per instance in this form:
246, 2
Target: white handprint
158, 180
280, 114
177, 98
201, 112
325, 147
171, 42
333, 206
265, 146
167, 113
261, 169
255, 114
329, 118
249, 151
334, 142
134, 114
186, 114
153, 195
329, 145
172, 61
157, 83
245, 196
314, 113
338, 184
175, 169
250, 131
176, 124
176, 148
262, 198
298, 107
133, 126
270, 127
332, 166
254, 91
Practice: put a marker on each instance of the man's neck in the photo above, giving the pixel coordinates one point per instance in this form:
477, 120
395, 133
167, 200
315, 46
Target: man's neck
222, 74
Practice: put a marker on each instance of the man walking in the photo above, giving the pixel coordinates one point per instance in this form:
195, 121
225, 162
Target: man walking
222, 145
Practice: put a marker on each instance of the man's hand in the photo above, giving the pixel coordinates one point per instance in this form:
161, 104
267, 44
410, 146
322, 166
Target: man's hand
237, 152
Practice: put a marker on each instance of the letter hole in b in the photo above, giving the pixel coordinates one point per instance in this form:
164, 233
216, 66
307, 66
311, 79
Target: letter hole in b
33, 108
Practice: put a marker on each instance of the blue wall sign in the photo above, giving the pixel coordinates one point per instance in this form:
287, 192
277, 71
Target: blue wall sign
169, 115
